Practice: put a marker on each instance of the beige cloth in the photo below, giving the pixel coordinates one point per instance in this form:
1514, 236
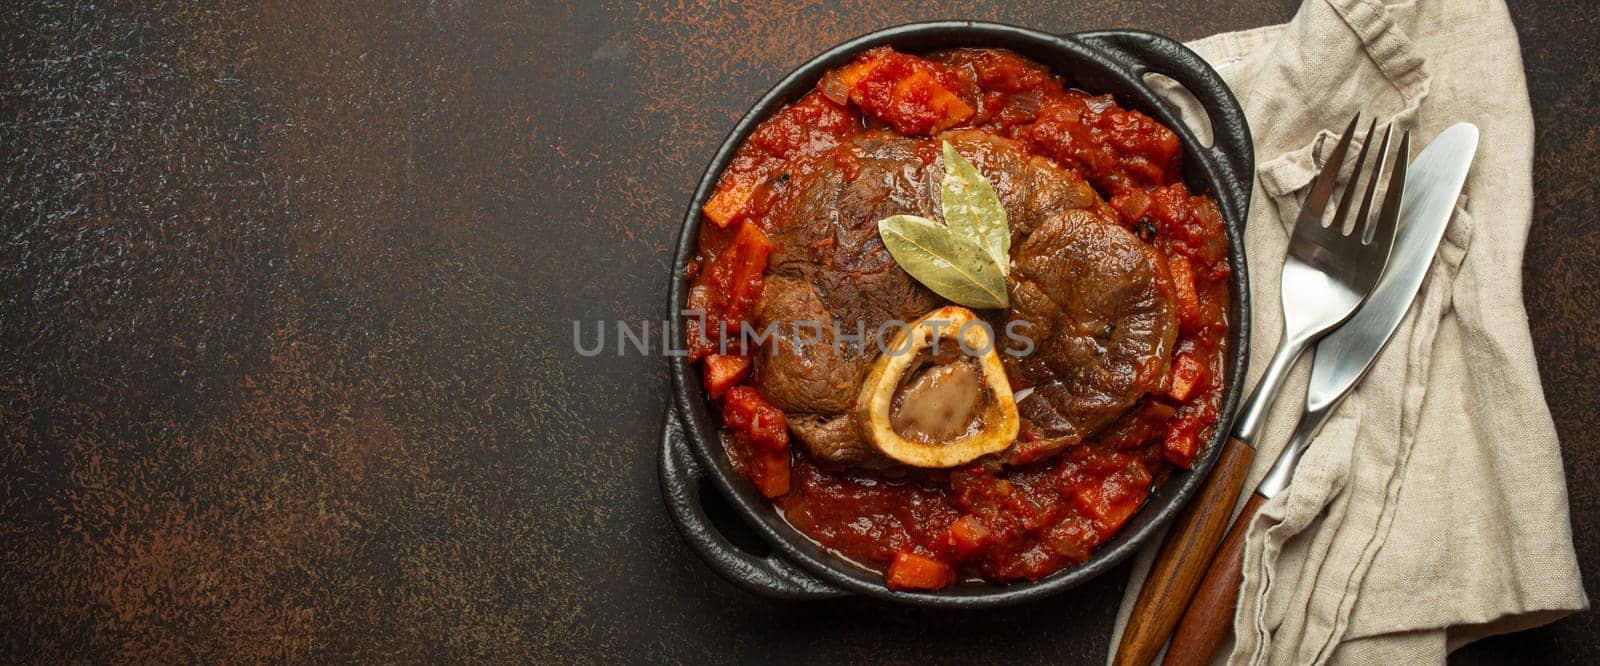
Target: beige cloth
1432, 509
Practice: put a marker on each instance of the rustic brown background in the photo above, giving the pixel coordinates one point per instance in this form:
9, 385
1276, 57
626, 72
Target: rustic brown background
285, 310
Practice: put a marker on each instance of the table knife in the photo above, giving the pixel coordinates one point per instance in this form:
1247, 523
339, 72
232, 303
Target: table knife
1342, 358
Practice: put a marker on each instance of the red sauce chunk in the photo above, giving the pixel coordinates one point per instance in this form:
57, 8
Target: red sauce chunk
929, 529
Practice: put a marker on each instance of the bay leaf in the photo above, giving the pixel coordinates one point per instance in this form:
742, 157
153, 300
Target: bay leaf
967, 257
955, 267
973, 210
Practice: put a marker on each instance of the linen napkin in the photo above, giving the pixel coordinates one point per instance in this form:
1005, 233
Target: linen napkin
1432, 509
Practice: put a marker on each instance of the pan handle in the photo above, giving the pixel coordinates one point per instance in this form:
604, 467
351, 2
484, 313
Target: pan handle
1231, 149
681, 480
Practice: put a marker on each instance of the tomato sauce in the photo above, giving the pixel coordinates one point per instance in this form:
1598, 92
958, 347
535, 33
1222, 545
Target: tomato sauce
927, 529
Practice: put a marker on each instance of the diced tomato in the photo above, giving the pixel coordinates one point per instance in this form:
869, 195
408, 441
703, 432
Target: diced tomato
1115, 148
980, 491
1073, 539
966, 536
764, 431
1007, 72
1150, 152
1130, 205
1188, 375
1139, 427
744, 409
1185, 298
912, 95
695, 328
722, 371
1032, 512
813, 125
1111, 499
911, 571
1182, 442
730, 287
1191, 226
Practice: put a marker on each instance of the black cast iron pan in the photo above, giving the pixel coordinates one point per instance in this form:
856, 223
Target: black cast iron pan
716, 510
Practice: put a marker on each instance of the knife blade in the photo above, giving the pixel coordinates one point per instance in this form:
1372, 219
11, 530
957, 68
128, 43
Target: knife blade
1343, 358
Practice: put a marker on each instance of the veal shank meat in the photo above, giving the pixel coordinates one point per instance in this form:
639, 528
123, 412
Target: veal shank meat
1093, 298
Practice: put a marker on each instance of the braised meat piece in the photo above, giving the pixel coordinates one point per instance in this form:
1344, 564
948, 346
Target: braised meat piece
831, 268
798, 375
835, 439
1096, 304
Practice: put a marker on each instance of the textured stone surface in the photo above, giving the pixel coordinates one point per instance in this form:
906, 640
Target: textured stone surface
285, 328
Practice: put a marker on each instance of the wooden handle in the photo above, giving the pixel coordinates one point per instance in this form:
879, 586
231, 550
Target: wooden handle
1210, 614
1183, 558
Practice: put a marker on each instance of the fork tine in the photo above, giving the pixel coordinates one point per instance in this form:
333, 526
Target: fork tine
1363, 219
1317, 200
1338, 221
1389, 215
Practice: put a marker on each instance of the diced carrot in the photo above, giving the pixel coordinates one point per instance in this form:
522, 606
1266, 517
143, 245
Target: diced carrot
770, 472
1182, 442
722, 371
728, 202
746, 261
848, 76
966, 536
945, 107
1186, 299
952, 109
1188, 376
1110, 500
911, 571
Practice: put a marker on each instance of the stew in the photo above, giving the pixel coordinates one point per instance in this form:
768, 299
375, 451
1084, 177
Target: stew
1118, 280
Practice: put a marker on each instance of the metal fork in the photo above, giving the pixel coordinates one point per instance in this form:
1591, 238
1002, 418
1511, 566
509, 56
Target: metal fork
1330, 269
